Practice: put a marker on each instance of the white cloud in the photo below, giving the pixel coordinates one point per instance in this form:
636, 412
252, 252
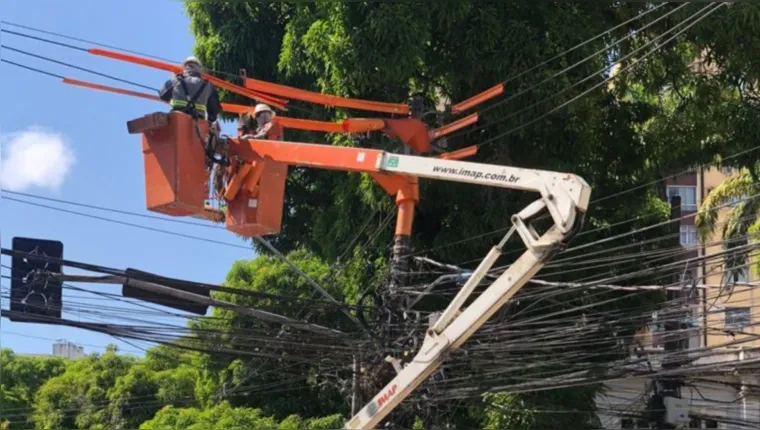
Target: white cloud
34, 158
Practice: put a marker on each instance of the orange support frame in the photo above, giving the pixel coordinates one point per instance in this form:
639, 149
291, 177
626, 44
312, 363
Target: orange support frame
308, 125
110, 89
325, 99
410, 131
454, 126
478, 99
226, 107
460, 154
361, 125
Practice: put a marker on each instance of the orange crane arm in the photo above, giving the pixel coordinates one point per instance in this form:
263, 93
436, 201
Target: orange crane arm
477, 99
454, 126
173, 68
308, 124
308, 154
325, 99
111, 89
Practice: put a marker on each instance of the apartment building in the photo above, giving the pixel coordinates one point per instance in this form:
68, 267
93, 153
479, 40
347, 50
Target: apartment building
722, 320
63, 349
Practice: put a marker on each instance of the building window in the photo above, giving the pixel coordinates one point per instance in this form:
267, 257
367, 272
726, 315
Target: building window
626, 423
711, 424
689, 235
737, 275
738, 317
688, 195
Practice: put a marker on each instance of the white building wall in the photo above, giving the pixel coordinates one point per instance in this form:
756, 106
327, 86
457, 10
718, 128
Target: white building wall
728, 405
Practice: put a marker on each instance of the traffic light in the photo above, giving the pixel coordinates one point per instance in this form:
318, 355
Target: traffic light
33, 291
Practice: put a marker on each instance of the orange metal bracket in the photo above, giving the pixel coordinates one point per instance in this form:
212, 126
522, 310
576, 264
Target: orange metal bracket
111, 89
410, 131
325, 99
477, 99
460, 154
173, 68
252, 181
226, 107
454, 126
309, 125
407, 192
361, 125
237, 181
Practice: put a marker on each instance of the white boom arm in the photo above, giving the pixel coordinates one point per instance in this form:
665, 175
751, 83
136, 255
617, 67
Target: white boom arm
564, 196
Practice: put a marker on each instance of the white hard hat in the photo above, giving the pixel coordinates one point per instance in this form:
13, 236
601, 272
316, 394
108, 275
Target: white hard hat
261, 107
192, 59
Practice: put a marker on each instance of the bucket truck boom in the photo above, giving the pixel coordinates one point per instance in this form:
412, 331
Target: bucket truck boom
565, 197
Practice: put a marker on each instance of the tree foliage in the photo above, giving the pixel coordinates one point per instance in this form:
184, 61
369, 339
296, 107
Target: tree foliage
21, 378
225, 416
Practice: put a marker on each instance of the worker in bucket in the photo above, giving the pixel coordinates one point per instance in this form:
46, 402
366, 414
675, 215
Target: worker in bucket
188, 92
265, 127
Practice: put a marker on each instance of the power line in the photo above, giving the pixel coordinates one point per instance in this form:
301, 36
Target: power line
114, 210
90, 42
128, 224
83, 69
605, 80
586, 42
32, 69
567, 69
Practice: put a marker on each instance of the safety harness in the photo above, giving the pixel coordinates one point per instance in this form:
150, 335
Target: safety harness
189, 106
195, 110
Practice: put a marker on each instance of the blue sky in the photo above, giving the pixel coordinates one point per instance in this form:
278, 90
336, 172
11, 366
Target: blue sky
86, 131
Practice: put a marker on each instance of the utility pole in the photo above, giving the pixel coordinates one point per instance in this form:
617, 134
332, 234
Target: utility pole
400, 258
397, 300
356, 400
666, 404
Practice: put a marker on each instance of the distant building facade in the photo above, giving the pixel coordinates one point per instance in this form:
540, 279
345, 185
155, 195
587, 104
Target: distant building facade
64, 349
724, 316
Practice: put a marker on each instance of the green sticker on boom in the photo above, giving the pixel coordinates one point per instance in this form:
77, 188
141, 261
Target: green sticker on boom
393, 162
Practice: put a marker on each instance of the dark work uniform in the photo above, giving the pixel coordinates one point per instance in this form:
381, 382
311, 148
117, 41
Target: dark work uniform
191, 94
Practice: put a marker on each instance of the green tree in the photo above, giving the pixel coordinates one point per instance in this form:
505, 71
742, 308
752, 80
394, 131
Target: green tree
736, 198
557, 409
225, 416
79, 398
235, 377
21, 378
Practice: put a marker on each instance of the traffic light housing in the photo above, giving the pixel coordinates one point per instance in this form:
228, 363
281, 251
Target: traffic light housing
33, 291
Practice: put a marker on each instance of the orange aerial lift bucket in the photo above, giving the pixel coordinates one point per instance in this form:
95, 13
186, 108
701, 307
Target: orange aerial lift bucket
175, 169
256, 209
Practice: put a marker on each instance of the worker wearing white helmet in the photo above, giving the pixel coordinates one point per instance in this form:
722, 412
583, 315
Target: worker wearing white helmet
188, 92
266, 128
